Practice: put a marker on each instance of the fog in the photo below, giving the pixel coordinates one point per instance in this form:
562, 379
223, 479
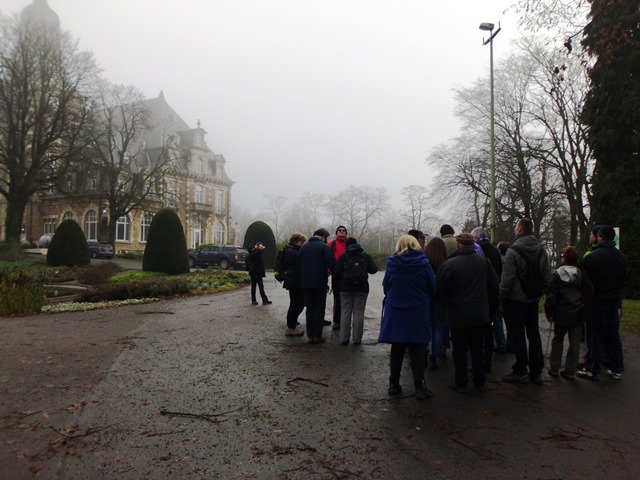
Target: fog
299, 95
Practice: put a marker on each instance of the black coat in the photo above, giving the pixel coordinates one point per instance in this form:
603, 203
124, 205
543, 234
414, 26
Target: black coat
339, 270
607, 268
315, 260
290, 264
256, 264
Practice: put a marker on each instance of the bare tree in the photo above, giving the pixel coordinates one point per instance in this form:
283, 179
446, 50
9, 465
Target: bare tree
274, 208
356, 207
416, 199
43, 112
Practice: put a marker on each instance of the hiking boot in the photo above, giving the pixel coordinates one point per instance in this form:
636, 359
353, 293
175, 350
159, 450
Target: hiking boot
513, 377
254, 303
294, 332
394, 389
422, 392
614, 375
553, 372
267, 302
588, 374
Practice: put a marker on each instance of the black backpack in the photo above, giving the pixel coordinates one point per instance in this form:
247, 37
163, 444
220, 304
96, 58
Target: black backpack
355, 270
278, 269
531, 280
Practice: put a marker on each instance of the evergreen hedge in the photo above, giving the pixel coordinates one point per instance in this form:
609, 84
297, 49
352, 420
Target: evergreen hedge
166, 249
68, 246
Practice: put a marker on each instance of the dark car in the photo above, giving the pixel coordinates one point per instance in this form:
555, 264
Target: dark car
225, 256
100, 249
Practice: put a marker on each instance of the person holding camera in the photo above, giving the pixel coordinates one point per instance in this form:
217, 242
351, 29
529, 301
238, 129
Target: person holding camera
257, 273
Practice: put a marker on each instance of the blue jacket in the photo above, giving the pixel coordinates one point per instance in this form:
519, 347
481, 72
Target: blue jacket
315, 259
409, 285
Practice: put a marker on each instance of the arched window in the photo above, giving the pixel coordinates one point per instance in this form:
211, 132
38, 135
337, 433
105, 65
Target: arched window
196, 234
219, 201
122, 229
145, 224
199, 195
218, 234
91, 225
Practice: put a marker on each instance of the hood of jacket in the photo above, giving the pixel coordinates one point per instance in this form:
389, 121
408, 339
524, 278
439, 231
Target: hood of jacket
529, 243
568, 274
406, 262
355, 248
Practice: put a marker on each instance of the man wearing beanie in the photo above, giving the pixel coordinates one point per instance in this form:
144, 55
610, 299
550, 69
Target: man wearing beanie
446, 232
607, 268
314, 260
338, 246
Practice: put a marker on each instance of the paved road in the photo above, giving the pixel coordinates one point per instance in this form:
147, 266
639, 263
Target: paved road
209, 387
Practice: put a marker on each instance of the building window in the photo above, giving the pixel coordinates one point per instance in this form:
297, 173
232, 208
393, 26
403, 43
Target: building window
219, 201
145, 224
173, 194
49, 226
67, 216
199, 195
91, 225
198, 165
218, 234
196, 234
122, 229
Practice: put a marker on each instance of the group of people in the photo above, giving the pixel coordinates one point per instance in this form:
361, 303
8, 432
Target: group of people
455, 291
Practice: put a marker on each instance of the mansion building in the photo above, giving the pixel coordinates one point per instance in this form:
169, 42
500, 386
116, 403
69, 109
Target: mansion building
196, 187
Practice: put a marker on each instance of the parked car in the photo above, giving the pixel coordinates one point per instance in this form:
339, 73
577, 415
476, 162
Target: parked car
100, 249
225, 256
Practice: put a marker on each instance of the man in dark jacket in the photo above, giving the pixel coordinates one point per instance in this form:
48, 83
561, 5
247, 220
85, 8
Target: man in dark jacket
464, 283
607, 268
315, 259
292, 284
519, 308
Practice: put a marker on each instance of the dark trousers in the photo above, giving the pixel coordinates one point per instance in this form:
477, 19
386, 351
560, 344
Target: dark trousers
606, 337
522, 325
296, 305
416, 356
337, 311
256, 280
471, 338
315, 300
487, 343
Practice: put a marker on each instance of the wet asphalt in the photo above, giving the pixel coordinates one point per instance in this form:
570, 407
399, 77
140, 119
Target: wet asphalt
210, 388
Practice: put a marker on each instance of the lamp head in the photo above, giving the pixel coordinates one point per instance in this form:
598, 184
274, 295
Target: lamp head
487, 26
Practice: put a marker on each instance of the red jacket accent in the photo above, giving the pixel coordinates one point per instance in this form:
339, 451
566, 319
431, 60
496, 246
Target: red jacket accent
338, 247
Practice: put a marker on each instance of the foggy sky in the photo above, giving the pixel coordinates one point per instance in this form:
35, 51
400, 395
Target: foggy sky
299, 94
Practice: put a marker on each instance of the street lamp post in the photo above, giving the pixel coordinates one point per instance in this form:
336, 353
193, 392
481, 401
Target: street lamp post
488, 27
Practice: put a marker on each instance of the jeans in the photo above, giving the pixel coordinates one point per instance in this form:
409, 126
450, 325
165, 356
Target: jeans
573, 353
256, 280
352, 304
605, 337
522, 319
471, 338
416, 356
315, 299
296, 305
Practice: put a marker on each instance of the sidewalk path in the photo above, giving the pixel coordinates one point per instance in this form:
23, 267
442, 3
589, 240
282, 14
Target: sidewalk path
209, 387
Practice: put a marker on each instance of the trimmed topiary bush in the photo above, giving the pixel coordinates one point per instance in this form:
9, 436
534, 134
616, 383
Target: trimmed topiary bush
166, 249
261, 232
68, 246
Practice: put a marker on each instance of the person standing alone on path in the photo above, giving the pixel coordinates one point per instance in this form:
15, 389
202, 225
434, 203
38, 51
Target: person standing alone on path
291, 282
353, 268
257, 273
338, 246
315, 259
526, 276
409, 286
607, 268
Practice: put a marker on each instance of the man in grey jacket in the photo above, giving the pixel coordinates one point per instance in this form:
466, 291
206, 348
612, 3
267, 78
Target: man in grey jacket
520, 309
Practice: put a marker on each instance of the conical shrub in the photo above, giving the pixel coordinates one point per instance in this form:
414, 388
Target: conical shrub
68, 246
166, 249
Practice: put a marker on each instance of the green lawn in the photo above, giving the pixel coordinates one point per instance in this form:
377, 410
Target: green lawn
630, 316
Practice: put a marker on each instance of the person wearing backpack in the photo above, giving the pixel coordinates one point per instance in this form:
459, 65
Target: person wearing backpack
526, 276
338, 246
353, 268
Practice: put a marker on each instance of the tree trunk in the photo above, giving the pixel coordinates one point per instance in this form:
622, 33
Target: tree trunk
13, 225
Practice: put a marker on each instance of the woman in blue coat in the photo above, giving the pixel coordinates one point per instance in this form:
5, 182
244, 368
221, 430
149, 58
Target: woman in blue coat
408, 285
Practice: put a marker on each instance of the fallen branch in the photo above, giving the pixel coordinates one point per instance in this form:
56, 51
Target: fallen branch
210, 417
89, 431
300, 379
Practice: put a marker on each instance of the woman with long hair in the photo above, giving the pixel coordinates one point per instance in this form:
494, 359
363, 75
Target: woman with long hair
408, 285
436, 252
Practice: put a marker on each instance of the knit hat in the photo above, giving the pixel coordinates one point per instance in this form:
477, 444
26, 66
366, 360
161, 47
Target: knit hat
446, 230
321, 232
351, 241
465, 239
341, 226
607, 232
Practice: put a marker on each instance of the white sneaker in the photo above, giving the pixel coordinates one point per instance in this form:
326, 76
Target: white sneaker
294, 332
615, 376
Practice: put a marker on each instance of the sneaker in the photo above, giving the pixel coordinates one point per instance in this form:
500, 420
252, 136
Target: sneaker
422, 392
568, 375
394, 389
458, 388
584, 373
553, 372
267, 302
294, 332
513, 377
536, 378
614, 375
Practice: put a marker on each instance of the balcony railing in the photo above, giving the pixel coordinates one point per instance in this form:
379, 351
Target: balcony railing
200, 207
